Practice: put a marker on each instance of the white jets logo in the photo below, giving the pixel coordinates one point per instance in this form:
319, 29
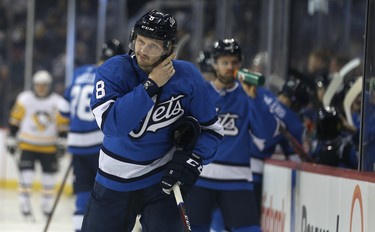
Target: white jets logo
160, 116
228, 121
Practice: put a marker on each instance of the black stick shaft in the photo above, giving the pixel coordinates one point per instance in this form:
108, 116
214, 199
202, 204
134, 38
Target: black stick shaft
298, 148
58, 196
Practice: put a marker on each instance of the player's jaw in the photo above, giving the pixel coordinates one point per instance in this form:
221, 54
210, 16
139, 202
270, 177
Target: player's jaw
146, 61
226, 77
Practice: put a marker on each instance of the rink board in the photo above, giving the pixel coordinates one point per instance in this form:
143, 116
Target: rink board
310, 197
9, 176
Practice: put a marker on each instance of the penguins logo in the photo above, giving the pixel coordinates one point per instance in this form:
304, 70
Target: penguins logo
42, 120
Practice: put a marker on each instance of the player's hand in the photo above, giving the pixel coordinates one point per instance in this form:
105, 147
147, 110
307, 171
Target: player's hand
11, 144
250, 90
61, 147
184, 169
185, 133
163, 72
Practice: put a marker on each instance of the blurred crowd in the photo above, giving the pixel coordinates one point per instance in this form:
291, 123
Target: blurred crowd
49, 43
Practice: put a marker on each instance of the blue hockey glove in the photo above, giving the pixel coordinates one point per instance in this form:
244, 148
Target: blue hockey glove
184, 169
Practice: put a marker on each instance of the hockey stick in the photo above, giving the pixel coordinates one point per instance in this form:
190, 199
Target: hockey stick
349, 99
181, 207
21, 179
58, 196
295, 144
338, 79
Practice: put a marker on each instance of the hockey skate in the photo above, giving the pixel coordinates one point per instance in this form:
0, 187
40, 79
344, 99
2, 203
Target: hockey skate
26, 212
25, 206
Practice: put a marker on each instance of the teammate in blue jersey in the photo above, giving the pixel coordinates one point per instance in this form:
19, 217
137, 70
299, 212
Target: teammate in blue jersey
269, 114
137, 99
84, 137
226, 183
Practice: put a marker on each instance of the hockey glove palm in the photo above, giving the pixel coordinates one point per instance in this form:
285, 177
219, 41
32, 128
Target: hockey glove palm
185, 133
12, 145
184, 169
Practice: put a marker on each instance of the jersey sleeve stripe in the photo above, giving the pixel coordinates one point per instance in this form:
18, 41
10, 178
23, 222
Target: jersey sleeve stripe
101, 111
215, 129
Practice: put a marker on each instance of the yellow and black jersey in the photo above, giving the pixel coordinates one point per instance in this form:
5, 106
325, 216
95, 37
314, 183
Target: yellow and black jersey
38, 121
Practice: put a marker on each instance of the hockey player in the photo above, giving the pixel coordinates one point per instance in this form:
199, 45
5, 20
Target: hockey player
269, 114
84, 137
204, 62
334, 148
226, 183
34, 129
294, 96
136, 100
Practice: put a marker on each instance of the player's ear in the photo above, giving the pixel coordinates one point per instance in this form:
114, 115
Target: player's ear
214, 64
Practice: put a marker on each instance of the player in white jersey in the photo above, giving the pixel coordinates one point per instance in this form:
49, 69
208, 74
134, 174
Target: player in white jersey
34, 127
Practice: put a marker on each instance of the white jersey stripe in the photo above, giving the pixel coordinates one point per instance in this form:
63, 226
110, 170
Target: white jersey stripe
128, 170
99, 111
217, 127
257, 165
226, 172
85, 139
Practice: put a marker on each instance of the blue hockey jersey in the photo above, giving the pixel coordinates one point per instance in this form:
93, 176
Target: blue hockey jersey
231, 168
84, 135
268, 114
136, 145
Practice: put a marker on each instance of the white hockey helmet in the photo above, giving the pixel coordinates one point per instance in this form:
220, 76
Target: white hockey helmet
42, 77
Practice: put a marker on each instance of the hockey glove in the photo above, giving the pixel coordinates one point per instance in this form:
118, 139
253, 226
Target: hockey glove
12, 145
61, 147
184, 169
185, 133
